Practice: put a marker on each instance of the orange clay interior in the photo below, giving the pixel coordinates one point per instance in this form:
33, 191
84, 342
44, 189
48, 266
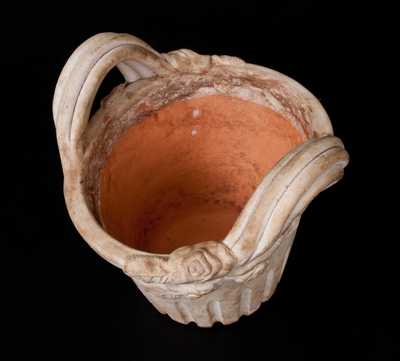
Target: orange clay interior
183, 174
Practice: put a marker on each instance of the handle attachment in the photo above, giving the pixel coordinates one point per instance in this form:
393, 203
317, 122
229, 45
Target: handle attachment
198, 263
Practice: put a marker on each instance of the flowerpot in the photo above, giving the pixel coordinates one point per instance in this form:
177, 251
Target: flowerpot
193, 174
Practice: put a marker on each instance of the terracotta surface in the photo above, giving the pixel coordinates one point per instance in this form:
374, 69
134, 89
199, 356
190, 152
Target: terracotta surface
184, 173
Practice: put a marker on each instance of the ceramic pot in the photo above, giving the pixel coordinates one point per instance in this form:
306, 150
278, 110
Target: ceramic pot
193, 175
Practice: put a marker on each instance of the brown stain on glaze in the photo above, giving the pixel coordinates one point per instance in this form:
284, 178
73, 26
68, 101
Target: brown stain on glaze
183, 174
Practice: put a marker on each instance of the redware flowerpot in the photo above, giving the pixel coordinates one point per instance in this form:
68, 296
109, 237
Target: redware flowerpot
193, 174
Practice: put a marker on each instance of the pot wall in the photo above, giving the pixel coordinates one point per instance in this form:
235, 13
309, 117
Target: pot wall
236, 298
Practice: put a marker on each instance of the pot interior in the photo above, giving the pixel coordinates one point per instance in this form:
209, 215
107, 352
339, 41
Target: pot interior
183, 173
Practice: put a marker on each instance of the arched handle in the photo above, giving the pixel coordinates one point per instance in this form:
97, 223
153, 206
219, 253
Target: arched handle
284, 194
82, 75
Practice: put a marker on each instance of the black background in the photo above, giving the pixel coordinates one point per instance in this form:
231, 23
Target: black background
337, 297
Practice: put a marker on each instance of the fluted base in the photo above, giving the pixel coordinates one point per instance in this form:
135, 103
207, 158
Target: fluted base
233, 299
